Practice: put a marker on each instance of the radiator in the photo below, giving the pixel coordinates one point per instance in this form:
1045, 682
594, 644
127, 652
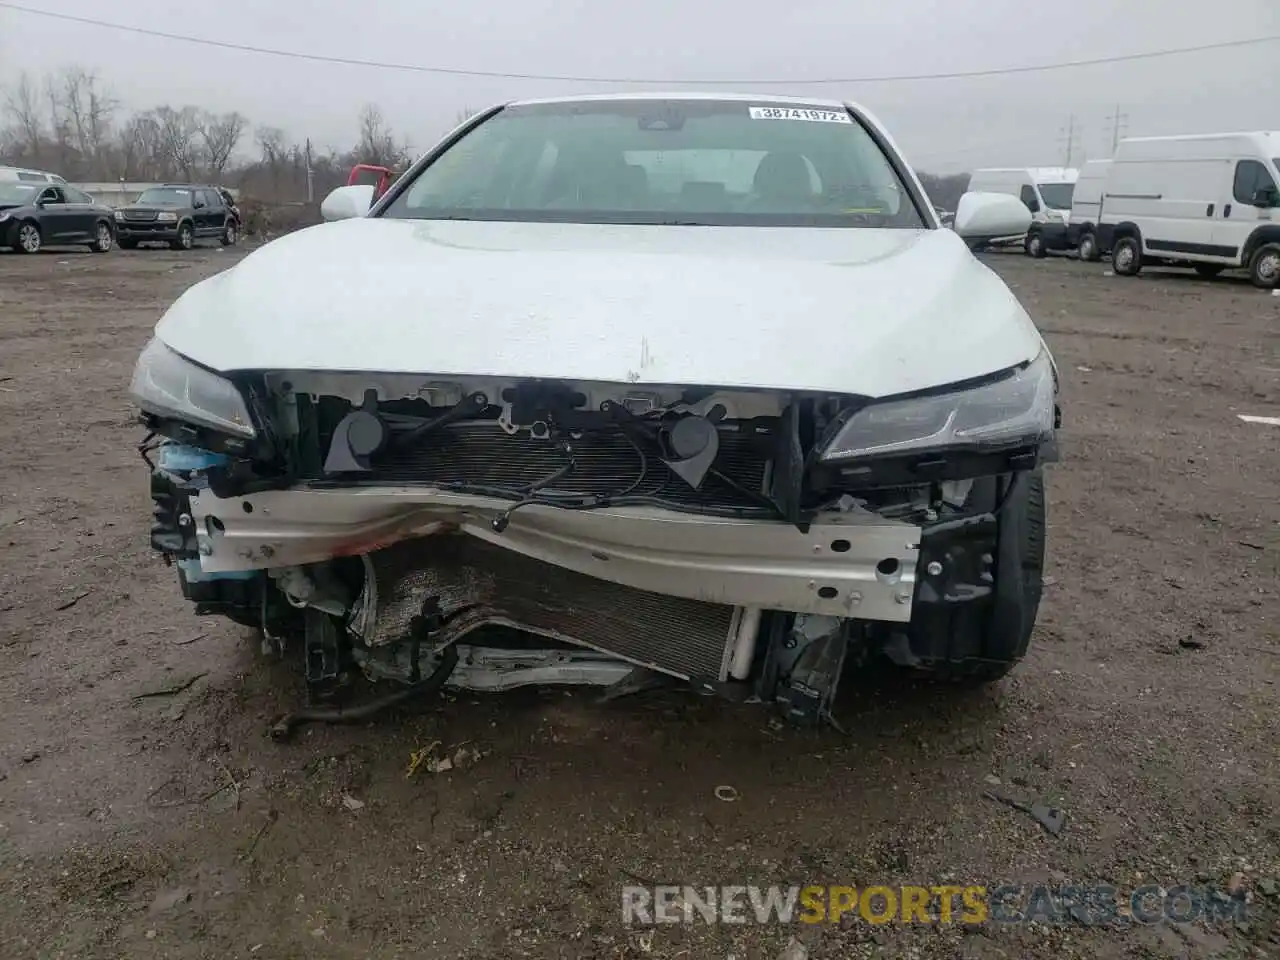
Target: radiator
473, 583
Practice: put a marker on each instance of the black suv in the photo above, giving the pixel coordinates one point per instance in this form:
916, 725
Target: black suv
178, 214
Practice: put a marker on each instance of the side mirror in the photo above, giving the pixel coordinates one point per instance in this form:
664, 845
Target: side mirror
990, 216
1266, 197
345, 203
197, 204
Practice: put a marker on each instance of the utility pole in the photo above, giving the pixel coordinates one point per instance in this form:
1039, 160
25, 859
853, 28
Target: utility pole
1117, 120
311, 195
1070, 134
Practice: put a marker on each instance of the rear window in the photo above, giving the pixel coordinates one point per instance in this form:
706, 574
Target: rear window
688, 162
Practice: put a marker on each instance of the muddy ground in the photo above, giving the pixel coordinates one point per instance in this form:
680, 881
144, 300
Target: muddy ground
171, 826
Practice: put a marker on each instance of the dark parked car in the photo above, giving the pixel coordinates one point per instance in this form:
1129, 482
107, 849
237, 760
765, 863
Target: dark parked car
178, 214
33, 215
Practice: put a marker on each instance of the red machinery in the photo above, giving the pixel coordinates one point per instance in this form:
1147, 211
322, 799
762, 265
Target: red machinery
365, 173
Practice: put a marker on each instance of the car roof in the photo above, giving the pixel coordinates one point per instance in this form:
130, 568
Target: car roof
686, 95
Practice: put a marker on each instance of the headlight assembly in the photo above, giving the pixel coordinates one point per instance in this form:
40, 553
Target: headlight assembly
166, 217
1016, 409
167, 384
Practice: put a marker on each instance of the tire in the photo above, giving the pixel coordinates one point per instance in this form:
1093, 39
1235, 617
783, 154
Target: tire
231, 234
1264, 266
127, 244
1126, 257
27, 237
1034, 245
1088, 249
104, 239
186, 238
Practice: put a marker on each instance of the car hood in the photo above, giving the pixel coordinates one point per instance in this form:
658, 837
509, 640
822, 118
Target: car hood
863, 311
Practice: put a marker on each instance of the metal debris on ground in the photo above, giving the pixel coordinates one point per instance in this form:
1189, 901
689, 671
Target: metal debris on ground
726, 793
351, 803
464, 755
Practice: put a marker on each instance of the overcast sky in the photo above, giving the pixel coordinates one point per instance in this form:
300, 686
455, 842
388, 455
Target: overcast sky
943, 125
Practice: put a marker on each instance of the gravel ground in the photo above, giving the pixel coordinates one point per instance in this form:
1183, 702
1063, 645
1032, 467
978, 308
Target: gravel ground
171, 826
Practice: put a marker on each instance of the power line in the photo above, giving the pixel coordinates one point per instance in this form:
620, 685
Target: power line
689, 81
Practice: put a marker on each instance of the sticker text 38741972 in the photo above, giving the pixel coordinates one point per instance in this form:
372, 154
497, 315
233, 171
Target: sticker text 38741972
800, 113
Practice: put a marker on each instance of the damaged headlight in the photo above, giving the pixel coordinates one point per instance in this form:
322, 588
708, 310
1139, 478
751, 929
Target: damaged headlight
167, 384
1017, 408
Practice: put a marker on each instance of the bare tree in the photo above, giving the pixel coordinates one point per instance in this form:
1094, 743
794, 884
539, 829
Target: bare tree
221, 135
59, 127
377, 140
22, 107
139, 143
87, 110
180, 146
271, 143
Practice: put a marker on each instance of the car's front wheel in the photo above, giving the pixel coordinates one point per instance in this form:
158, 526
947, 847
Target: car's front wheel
1264, 268
103, 239
1035, 245
230, 234
1126, 257
29, 239
186, 238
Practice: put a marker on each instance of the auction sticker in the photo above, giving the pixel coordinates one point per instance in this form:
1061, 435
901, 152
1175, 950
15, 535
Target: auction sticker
800, 113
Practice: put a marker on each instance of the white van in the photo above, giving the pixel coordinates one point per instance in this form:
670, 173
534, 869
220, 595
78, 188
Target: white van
24, 175
1045, 191
1208, 201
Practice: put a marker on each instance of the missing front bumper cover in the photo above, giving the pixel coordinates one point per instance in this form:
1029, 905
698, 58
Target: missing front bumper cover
845, 565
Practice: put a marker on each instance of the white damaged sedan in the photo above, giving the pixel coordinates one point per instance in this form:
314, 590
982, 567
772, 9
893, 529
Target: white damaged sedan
613, 389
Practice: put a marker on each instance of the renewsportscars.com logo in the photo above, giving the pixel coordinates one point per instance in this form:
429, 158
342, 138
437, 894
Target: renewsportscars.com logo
1089, 905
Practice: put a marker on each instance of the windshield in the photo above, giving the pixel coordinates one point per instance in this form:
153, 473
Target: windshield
1057, 196
15, 194
706, 162
166, 197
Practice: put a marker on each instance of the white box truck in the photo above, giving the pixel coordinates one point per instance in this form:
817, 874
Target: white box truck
1045, 191
1208, 201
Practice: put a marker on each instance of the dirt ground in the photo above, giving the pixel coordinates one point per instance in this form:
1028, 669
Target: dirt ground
144, 812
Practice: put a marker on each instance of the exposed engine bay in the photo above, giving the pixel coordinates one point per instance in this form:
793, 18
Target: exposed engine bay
546, 532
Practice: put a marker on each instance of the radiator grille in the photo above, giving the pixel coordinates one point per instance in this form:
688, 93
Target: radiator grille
482, 583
